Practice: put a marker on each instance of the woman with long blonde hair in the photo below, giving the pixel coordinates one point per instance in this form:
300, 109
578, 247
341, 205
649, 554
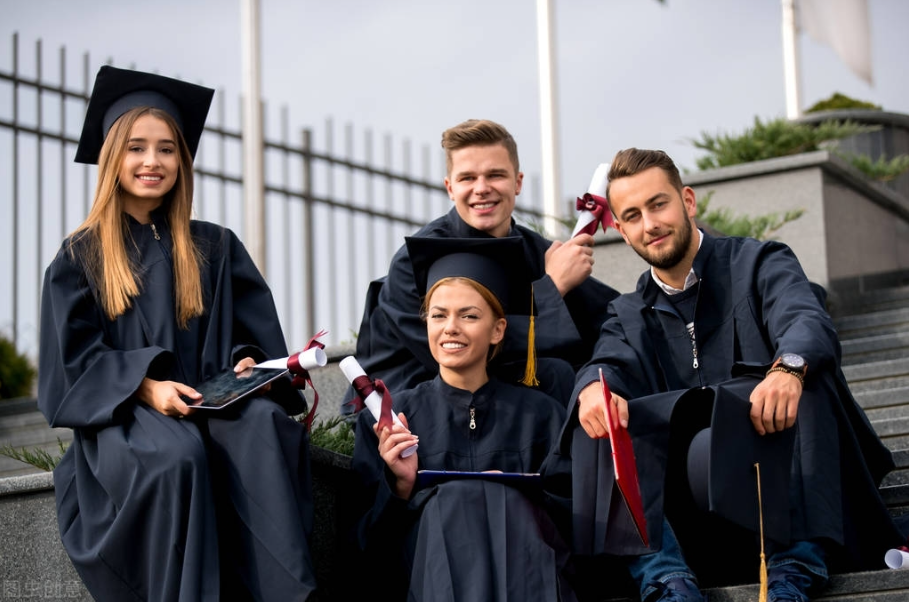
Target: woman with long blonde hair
158, 499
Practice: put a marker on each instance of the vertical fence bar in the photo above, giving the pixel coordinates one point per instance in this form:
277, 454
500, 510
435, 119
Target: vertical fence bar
63, 185
290, 314
351, 225
427, 194
308, 232
221, 160
371, 228
389, 203
15, 184
85, 170
39, 171
407, 166
332, 222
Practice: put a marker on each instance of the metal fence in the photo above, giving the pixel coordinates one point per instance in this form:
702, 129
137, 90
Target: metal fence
338, 204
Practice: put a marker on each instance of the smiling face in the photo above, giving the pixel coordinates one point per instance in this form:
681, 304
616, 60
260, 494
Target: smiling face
150, 166
461, 326
655, 218
483, 184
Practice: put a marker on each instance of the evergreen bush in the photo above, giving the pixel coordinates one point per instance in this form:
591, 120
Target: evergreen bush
17, 374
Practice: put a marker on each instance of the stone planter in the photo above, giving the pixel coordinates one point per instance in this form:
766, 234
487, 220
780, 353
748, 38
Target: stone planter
890, 140
853, 229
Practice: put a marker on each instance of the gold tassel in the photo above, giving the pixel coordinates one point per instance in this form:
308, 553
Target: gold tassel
762, 596
530, 370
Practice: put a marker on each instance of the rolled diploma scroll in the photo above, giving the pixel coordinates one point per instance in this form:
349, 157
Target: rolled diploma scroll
373, 402
598, 187
308, 359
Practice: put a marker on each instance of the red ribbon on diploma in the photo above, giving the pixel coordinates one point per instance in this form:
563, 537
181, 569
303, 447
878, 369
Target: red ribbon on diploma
365, 386
599, 207
301, 375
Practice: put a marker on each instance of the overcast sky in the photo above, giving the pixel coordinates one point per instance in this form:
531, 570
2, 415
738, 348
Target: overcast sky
629, 72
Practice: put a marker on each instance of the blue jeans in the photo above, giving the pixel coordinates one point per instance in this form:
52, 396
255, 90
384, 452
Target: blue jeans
668, 563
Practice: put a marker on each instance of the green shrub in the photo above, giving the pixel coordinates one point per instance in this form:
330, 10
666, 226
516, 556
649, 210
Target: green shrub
335, 434
37, 457
17, 375
775, 138
882, 170
839, 102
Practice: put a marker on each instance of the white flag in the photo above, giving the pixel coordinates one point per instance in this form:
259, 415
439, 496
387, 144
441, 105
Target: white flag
844, 26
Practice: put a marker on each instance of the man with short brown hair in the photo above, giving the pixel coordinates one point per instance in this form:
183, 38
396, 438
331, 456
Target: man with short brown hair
712, 316
569, 305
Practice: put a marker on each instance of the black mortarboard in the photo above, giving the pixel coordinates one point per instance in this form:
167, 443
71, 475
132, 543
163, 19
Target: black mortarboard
721, 464
116, 91
496, 263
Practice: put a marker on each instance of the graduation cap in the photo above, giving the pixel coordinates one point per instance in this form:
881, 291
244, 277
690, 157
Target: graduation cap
116, 91
496, 263
721, 464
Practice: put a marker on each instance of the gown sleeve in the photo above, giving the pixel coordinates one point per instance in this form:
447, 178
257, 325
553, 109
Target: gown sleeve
82, 379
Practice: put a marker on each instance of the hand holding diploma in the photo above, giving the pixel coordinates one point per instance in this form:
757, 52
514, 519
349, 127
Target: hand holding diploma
375, 397
593, 206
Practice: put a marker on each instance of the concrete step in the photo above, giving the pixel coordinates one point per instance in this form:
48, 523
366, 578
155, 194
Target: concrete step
890, 346
872, 296
858, 374
896, 442
887, 413
871, 399
893, 427
873, 322
900, 475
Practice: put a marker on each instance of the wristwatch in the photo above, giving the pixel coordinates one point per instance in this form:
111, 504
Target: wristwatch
792, 364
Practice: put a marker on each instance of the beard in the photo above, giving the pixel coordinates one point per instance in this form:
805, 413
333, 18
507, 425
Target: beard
670, 257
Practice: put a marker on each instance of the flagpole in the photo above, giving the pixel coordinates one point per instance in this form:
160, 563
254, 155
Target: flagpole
253, 162
548, 119
791, 61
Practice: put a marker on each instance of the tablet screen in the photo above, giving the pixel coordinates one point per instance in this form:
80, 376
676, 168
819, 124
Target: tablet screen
229, 387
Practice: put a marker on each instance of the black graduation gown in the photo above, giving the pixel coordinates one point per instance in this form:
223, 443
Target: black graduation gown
392, 345
470, 539
155, 508
754, 302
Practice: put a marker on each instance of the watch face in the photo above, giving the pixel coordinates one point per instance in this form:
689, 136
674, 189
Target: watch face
791, 360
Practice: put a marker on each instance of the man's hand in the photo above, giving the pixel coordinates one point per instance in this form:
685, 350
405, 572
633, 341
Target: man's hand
592, 411
775, 402
392, 442
570, 263
164, 396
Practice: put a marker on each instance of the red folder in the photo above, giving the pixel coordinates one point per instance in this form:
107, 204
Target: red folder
626, 471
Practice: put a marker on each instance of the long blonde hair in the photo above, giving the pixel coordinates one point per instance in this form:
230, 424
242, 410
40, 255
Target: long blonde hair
105, 229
